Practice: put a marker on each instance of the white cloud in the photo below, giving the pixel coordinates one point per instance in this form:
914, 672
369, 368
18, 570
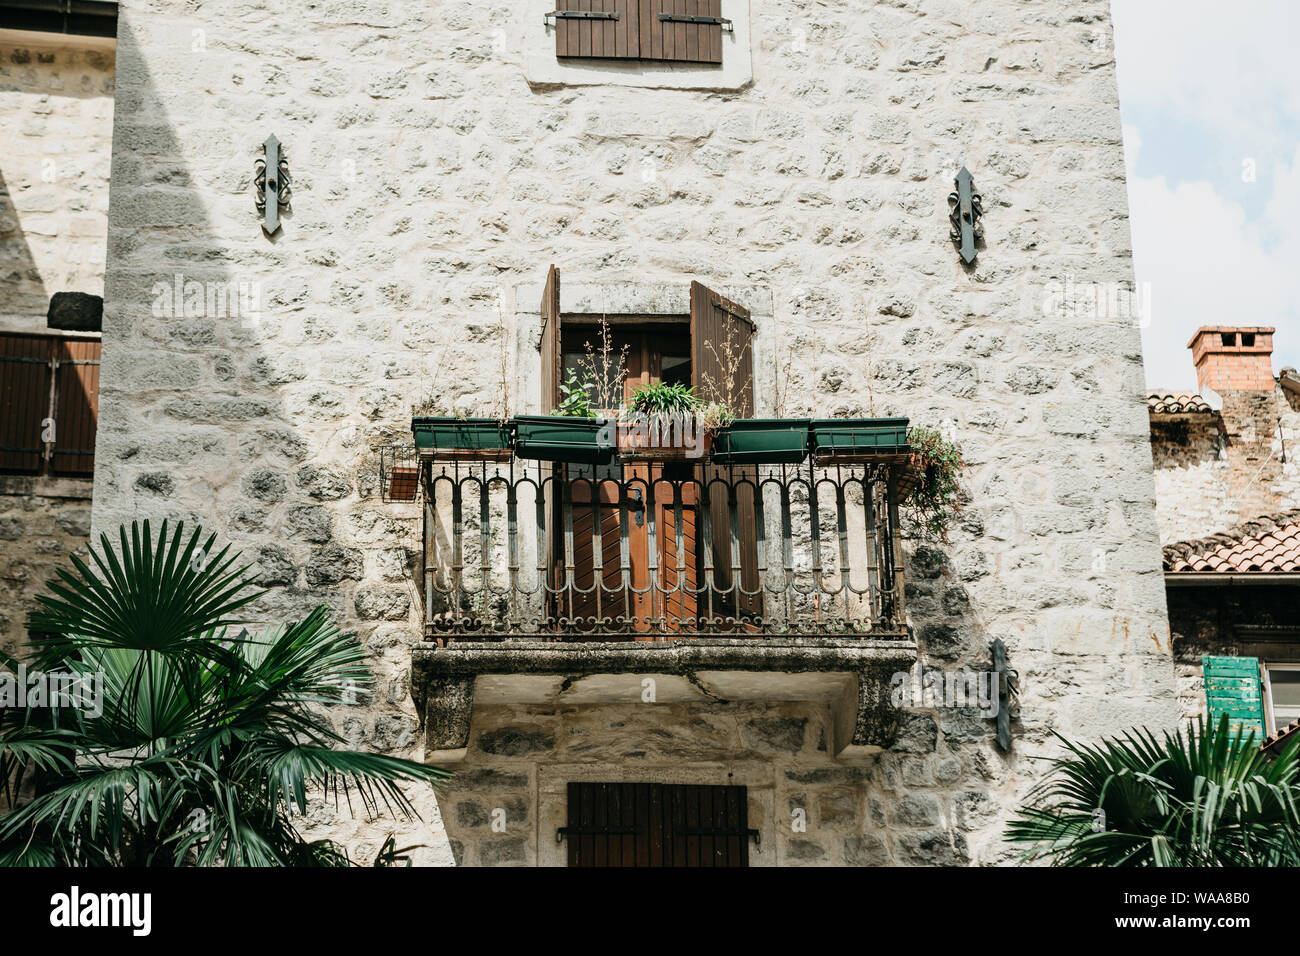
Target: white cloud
1208, 264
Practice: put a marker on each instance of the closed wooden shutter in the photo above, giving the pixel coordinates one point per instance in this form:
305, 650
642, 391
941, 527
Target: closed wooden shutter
679, 41
1233, 687
76, 406
599, 38
722, 370
44, 377
657, 825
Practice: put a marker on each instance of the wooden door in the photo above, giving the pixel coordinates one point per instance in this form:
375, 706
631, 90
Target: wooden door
657, 825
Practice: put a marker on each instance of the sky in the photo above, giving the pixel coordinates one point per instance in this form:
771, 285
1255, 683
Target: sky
1210, 97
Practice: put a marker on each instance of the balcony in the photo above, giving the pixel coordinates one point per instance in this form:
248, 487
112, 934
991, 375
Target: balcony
548, 582
580, 553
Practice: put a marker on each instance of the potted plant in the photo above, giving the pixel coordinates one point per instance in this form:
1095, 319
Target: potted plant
456, 435
752, 441
573, 433
858, 440
928, 486
666, 422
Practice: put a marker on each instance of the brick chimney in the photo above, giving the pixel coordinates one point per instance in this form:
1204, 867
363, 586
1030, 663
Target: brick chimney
1233, 359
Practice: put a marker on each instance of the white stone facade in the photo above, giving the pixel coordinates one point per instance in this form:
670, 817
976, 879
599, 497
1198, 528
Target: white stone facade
433, 186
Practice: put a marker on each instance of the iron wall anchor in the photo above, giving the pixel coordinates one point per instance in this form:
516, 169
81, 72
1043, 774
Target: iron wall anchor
965, 209
1008, 690
271, 191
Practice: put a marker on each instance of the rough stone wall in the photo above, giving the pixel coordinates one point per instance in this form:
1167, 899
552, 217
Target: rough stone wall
42, 522
430, 181
1213, 474
56, 111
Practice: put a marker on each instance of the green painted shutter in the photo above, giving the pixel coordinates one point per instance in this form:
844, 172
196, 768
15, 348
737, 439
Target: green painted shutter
1232, 687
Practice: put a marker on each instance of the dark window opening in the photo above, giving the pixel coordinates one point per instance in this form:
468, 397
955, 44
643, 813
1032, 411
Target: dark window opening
657, 825
1229, 339
1247, 339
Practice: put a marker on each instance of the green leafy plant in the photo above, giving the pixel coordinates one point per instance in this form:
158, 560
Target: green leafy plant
1210, 798
575, 397
934, 500
661, 398
207, 745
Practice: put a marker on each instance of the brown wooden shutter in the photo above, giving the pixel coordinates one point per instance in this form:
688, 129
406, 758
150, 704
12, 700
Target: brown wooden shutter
24, 401
549, 343
76, 406
682, 42
718, 327
604, 39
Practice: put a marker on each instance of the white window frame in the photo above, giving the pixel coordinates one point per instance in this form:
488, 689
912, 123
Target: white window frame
1265, 666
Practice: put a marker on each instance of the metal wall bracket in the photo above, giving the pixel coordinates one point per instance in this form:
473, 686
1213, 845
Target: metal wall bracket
271, 191
965, 209
682, 18
578, 15
1008, 693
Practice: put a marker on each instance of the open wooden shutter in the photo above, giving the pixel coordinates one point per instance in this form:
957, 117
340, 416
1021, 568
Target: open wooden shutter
722, 370
678, 40
1232, 687
617, 38
549, 343
76, 406
25, 400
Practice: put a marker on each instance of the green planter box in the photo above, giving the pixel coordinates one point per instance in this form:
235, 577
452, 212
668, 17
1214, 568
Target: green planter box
476, 439
761, 441
588, 441
845, 439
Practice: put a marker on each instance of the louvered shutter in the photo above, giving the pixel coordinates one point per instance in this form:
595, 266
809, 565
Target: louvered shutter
598, 38
719, 328
680, 41
1233, 687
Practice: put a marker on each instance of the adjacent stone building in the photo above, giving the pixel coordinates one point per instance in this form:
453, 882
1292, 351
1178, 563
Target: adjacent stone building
1228, 496
441, 159
56, 126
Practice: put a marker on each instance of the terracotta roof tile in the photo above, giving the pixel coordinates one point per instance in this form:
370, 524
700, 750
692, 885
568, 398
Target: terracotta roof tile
1276, 742
1267, 545
1176, 403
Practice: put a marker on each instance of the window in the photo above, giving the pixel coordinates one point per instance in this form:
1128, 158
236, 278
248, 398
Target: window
49, 389
1281, 695
683, 31
573, 43
657, 824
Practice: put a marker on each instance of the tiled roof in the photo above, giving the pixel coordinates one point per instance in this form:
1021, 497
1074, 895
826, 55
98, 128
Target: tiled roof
1276, 742
1270, 544
1171, 403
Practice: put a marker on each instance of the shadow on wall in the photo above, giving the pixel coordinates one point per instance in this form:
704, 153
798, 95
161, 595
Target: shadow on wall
23, 296
214, 407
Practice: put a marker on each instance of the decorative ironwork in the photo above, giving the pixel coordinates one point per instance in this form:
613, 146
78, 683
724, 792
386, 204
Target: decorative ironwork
271, 191
532, 549
1008, 691
965, 209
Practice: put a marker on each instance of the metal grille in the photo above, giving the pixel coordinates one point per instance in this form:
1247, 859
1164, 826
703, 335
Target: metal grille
573, 553
657, 824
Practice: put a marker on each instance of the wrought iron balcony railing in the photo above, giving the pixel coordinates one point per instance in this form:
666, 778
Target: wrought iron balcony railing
659, 551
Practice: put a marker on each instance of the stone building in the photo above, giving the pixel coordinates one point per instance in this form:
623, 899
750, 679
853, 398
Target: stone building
474, 187
56, 133
1228, 496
